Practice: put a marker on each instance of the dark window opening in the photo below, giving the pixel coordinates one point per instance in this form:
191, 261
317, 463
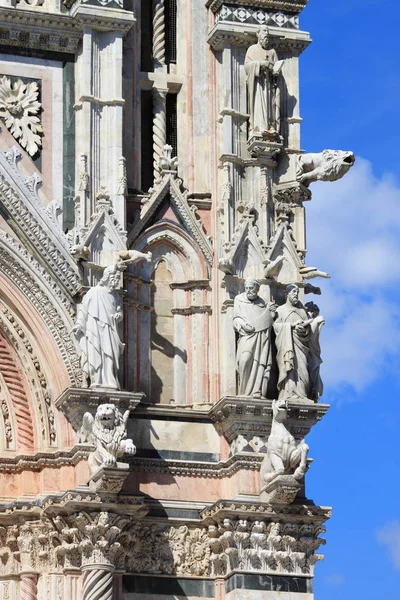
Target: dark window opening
170, 31
172, 124
147, 140
146, 29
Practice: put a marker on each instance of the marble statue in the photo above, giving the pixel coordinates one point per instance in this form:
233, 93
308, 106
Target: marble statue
252, 319
96, 331
328, 165
285, 456
262, 70
293, 332
107, 432
314, 357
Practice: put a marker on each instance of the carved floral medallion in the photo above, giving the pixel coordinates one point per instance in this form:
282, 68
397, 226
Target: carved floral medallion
19, 107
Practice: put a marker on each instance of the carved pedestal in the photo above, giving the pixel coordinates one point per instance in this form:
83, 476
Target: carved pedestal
74, 402
282, 490
246, 422
109, 479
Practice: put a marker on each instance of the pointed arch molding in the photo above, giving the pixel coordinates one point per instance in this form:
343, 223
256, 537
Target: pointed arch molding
43, 310
32, 225
178, 240
193, 226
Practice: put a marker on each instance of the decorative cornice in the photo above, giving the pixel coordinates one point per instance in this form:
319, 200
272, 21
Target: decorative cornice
256, 16
74, 402
240, 415
244, 34
41, 460
289, 5
200, 469
254, 510
26, 27
192, 310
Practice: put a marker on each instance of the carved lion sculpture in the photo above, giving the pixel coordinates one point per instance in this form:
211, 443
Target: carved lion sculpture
284, 456
106, 431
328, 165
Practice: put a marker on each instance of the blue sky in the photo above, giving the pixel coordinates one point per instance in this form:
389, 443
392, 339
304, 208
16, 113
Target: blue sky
350, 88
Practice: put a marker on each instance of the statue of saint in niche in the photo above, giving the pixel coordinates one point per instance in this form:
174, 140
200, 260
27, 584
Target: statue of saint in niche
252, 319
297, 346
96, 331
262, 69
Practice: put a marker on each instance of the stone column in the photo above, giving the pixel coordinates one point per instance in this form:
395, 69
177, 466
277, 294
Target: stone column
159, 128
159, 32
97, 582
28, 586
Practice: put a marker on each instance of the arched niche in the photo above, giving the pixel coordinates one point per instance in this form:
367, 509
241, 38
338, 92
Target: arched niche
32, 375
167, 318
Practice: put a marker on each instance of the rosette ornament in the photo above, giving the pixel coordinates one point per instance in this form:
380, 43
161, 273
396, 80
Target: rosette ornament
19, 108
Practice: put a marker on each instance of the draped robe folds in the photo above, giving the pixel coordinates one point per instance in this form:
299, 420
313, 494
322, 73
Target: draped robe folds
253, 358
260, 88
292, 352
100, 344
314, 359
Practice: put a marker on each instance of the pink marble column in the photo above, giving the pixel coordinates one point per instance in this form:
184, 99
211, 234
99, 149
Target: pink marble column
28, 586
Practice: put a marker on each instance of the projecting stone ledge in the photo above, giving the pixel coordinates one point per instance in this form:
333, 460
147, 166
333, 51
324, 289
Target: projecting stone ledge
74, 402
241, 415
282, 490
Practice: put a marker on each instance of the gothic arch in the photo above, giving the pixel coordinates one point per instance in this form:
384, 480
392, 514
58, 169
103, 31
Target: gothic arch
34, 324
185, 309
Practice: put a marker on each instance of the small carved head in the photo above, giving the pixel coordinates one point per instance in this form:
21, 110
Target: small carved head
292, 294
111, 277
279, 410
312, 309
263, 36
251, 287
106, 415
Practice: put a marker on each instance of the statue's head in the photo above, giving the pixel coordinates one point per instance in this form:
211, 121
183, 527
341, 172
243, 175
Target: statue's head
106, 416
292, 294
263, 36
312, 309
279, 410
251, 287
111, 277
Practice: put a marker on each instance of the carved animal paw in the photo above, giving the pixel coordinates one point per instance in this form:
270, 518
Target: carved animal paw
109, 461
130, 447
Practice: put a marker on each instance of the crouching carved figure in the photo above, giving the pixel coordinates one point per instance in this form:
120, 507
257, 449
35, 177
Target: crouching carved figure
107, 432
286, 461
328, 165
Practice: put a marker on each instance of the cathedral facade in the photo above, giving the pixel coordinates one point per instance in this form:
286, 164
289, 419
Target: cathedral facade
159, 342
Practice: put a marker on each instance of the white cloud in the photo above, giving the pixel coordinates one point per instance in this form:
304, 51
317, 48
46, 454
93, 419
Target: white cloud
335, 579
389, 535
353, 229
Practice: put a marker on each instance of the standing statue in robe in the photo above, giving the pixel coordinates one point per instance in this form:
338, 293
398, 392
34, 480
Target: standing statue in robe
252, 319
96, 331
314, 357
293, 333
262, 69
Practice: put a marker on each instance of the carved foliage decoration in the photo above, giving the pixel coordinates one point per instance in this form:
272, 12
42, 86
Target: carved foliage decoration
19, 107
171, 551
285, 548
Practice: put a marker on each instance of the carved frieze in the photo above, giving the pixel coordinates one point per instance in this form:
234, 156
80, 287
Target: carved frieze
257, 16
265, 546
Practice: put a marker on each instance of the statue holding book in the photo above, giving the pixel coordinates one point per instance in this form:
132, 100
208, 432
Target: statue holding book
262, 70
